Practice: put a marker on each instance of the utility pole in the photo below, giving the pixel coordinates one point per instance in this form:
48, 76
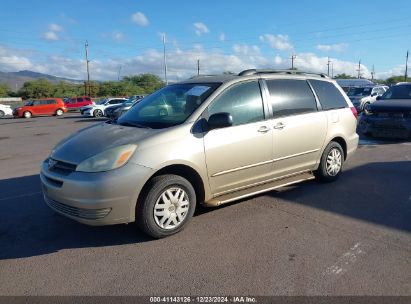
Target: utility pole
406, 68
165, 59
119, 71
198, 67
332, 69
372, 73
88, 71
359, 69
293, 57
328, 66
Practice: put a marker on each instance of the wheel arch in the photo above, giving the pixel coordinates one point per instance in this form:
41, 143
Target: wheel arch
340, 140
184, 171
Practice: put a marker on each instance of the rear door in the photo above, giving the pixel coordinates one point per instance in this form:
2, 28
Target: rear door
299, 129
240, 155
51, 106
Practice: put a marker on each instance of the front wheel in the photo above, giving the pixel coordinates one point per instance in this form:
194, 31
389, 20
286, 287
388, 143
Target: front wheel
27, 114
1, 114
59, 112
331, 162
98, 113
166, 205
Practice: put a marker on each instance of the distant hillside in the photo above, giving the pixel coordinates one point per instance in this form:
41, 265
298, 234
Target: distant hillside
15, 80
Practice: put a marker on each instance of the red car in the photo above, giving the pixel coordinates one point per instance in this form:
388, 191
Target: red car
46, 106
76, 103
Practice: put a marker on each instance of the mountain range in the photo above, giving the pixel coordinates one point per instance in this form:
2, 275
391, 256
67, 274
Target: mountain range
15, 80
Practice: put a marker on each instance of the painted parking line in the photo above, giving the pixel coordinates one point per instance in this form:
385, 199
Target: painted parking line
346, 260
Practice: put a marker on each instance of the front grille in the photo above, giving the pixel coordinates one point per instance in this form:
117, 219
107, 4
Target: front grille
89, 214
62, 167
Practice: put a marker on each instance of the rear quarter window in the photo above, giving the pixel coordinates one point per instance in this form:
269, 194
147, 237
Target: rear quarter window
328, 95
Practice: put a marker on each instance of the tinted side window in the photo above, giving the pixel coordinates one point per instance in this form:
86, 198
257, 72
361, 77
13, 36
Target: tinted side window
80, 99
51, 101
87, 98
291, 97
329, 96
242, 101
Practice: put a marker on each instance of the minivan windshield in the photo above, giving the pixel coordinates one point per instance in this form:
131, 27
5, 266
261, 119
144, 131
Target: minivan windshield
398, 92
169, 106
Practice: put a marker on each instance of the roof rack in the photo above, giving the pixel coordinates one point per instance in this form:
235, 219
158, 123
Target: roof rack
289, 72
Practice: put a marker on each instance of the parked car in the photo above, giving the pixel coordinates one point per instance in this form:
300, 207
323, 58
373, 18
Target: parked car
98, 109
116, 111
390, 115
5, 110
76, 103
46, 106
375, 92
236, 136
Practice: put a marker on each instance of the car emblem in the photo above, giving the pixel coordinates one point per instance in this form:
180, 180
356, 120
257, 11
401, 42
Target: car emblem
52, 163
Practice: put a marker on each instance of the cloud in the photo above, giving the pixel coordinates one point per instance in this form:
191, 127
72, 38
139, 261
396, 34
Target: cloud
278, 42
140, 19
340, 47
11, 60
200, 28
221, 37
51, 36
118, 36
55, 27
246, 50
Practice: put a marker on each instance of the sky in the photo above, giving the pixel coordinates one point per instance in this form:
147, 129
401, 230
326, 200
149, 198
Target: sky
125, 37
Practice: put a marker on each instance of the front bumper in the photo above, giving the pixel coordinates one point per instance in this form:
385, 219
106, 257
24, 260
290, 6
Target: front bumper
88, 112
388, 127
102, 198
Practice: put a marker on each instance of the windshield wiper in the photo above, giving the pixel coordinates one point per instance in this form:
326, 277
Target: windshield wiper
133, 124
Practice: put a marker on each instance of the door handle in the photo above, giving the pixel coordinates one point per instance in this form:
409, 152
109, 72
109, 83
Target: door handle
279, 126
263, 129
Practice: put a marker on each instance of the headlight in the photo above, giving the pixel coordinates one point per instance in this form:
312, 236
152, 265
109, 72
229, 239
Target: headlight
107, 160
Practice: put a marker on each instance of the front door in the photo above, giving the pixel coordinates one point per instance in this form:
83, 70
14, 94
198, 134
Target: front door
240, 155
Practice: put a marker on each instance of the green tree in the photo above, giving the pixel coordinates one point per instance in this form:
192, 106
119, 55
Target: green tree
39, 88
395, 79
344, 76
4, 90
148, 82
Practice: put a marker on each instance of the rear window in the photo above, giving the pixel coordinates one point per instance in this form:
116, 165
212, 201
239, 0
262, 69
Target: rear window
87, 98
291, 97
398, 92
329, 96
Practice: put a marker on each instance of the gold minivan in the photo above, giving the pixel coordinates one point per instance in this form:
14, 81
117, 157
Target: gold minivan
204, 141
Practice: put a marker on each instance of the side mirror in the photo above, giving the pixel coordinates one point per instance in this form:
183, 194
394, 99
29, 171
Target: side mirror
373, 94
220, 120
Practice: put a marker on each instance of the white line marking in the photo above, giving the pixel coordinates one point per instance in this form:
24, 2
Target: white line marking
344, 261
21, 195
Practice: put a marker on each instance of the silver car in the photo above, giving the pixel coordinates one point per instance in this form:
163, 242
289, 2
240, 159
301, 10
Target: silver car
205, 141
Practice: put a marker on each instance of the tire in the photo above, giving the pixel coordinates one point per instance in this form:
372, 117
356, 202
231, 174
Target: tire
365, 107
59, 112
1, 114
166, 205
331, 163
27, 114
98, 113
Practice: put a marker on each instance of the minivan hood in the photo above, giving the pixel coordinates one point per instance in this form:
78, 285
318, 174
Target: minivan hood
98, 138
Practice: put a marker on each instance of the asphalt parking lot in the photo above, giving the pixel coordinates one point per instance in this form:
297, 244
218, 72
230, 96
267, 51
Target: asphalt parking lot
352, 237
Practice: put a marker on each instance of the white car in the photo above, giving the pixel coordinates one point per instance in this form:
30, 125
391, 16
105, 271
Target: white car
376, 91
98, 109
5, 110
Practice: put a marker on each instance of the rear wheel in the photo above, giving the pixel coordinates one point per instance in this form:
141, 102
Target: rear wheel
331, 162
59, 112
98, 113
27, 114
166, 206
1, 114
